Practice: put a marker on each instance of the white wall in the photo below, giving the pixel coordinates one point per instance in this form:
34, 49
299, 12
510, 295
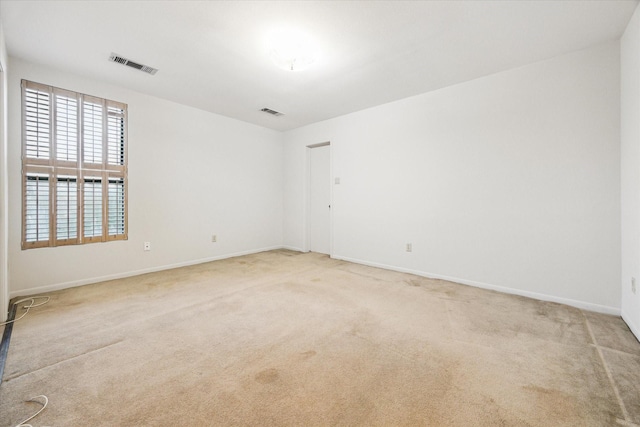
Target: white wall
191, 174
4, 285
511, 181
630, 170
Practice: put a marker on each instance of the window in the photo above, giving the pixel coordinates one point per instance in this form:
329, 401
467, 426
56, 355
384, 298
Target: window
74, 167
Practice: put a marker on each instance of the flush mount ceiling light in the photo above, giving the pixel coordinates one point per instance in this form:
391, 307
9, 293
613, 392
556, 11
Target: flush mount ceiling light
292, 50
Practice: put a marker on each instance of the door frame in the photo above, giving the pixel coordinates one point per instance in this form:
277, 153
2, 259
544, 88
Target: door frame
307, 196
4, 237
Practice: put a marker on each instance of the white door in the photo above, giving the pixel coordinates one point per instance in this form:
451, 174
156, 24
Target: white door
318, 230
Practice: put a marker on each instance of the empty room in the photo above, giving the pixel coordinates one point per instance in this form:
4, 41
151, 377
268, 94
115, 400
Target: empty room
320, 213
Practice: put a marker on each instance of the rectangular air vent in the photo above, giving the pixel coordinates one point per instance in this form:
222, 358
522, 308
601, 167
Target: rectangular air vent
124, 61
272, 112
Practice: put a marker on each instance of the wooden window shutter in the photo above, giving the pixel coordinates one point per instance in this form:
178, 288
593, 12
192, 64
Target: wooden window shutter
74, 167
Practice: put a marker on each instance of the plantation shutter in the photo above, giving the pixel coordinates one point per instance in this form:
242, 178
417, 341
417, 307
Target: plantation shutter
36, 209
92, 134
66, 127
66, 210
116, 215
92, 209
37, 124
115, 134
74, 167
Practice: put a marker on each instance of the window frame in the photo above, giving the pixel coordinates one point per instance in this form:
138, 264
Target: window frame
80, 170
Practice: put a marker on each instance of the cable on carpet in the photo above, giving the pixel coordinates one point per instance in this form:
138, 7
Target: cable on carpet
27, 307
34, 399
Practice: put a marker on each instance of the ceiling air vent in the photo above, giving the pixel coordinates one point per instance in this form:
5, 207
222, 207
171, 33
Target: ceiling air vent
272, 112
124, 61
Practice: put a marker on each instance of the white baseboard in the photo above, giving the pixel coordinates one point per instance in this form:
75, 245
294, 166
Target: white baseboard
574, 303
634, 328
543, 297
82, 282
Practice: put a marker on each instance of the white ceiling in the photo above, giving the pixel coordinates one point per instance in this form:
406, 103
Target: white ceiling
213, 56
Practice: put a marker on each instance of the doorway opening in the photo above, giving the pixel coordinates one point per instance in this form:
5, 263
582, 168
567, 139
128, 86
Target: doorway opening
319, 198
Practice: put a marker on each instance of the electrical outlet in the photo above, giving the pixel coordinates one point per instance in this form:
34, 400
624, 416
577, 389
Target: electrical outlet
409, 247
336, 180
147, 246
633, 285
214, 238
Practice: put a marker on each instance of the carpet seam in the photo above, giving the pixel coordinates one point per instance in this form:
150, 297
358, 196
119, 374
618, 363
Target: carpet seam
607, 370
615, 350
63, 361
626, 423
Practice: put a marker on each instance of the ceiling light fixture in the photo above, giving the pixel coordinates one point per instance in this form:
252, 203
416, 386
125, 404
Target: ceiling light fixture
292, 50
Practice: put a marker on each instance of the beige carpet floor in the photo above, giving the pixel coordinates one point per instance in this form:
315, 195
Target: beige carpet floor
282, 338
